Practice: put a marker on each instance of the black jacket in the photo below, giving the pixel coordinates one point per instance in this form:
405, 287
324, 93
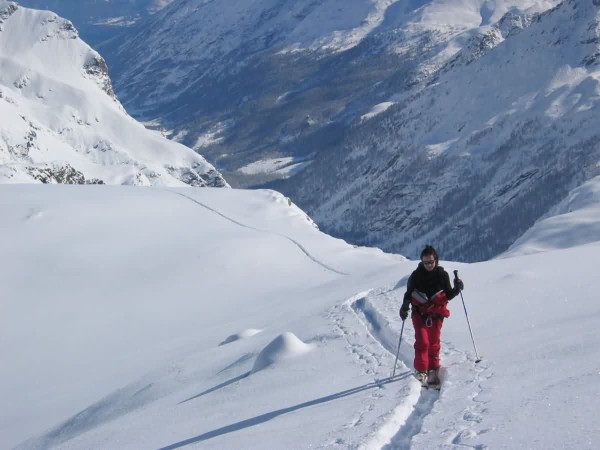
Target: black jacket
429, 283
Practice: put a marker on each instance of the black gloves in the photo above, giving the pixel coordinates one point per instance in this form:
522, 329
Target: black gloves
458, 285
403, 313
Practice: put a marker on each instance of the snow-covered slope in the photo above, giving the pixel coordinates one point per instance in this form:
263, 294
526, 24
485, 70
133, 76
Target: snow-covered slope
271, 78
474, 157
229, 321
578, 213
61, 121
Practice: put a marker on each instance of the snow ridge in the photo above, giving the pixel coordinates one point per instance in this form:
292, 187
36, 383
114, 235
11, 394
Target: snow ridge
292, 240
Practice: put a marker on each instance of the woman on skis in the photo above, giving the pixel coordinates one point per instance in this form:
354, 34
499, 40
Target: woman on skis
428, 290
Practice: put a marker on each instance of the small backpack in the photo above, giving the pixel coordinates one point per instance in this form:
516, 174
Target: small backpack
434, 306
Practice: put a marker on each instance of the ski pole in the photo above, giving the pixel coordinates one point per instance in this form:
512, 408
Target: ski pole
398, 351
468, 322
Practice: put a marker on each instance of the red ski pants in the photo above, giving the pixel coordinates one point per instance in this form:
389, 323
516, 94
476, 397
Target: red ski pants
427, 342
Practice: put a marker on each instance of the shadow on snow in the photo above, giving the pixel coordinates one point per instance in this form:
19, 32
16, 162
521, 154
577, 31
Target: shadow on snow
272, 415
216, 388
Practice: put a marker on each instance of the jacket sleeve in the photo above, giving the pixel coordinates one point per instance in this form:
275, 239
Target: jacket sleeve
407, 294
448, 289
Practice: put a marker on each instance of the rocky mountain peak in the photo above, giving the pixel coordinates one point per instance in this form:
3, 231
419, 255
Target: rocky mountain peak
61, 121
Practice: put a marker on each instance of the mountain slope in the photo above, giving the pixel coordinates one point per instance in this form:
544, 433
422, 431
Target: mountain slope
99, 21
61, 121
393, 124
470, 161
248, 81
577, 213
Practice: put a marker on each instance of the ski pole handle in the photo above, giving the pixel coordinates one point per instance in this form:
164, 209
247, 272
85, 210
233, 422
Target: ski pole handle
457, 283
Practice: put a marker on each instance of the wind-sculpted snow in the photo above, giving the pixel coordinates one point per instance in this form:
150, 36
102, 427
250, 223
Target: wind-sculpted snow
113, 407
284, 346
242, 335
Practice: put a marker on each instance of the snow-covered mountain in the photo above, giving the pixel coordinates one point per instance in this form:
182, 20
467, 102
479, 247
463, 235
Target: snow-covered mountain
99, 21
223, 319
189, 33
245, 81
392, 123
474, 157
61, 122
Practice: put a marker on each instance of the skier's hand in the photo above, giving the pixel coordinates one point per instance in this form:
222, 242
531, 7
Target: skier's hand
458, 285
403, 313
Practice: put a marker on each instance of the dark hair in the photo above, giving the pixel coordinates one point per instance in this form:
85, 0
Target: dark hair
429, 251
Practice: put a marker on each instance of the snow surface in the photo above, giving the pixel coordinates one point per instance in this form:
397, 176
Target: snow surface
578, 213
376, 110
139, 317
284, 166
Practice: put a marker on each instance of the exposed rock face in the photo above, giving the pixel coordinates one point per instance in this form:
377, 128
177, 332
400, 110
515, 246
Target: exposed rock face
56, 174
96, 67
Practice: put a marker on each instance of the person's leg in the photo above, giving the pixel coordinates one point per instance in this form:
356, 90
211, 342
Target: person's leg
434, 333
421, 344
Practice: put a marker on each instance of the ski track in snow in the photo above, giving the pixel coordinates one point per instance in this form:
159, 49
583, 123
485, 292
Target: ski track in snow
411, 416
293, 241
376, 326
372, 358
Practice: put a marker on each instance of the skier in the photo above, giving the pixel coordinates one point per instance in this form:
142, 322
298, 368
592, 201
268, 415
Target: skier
428, 290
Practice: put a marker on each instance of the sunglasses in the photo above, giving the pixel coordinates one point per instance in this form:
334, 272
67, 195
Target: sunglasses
429, 263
